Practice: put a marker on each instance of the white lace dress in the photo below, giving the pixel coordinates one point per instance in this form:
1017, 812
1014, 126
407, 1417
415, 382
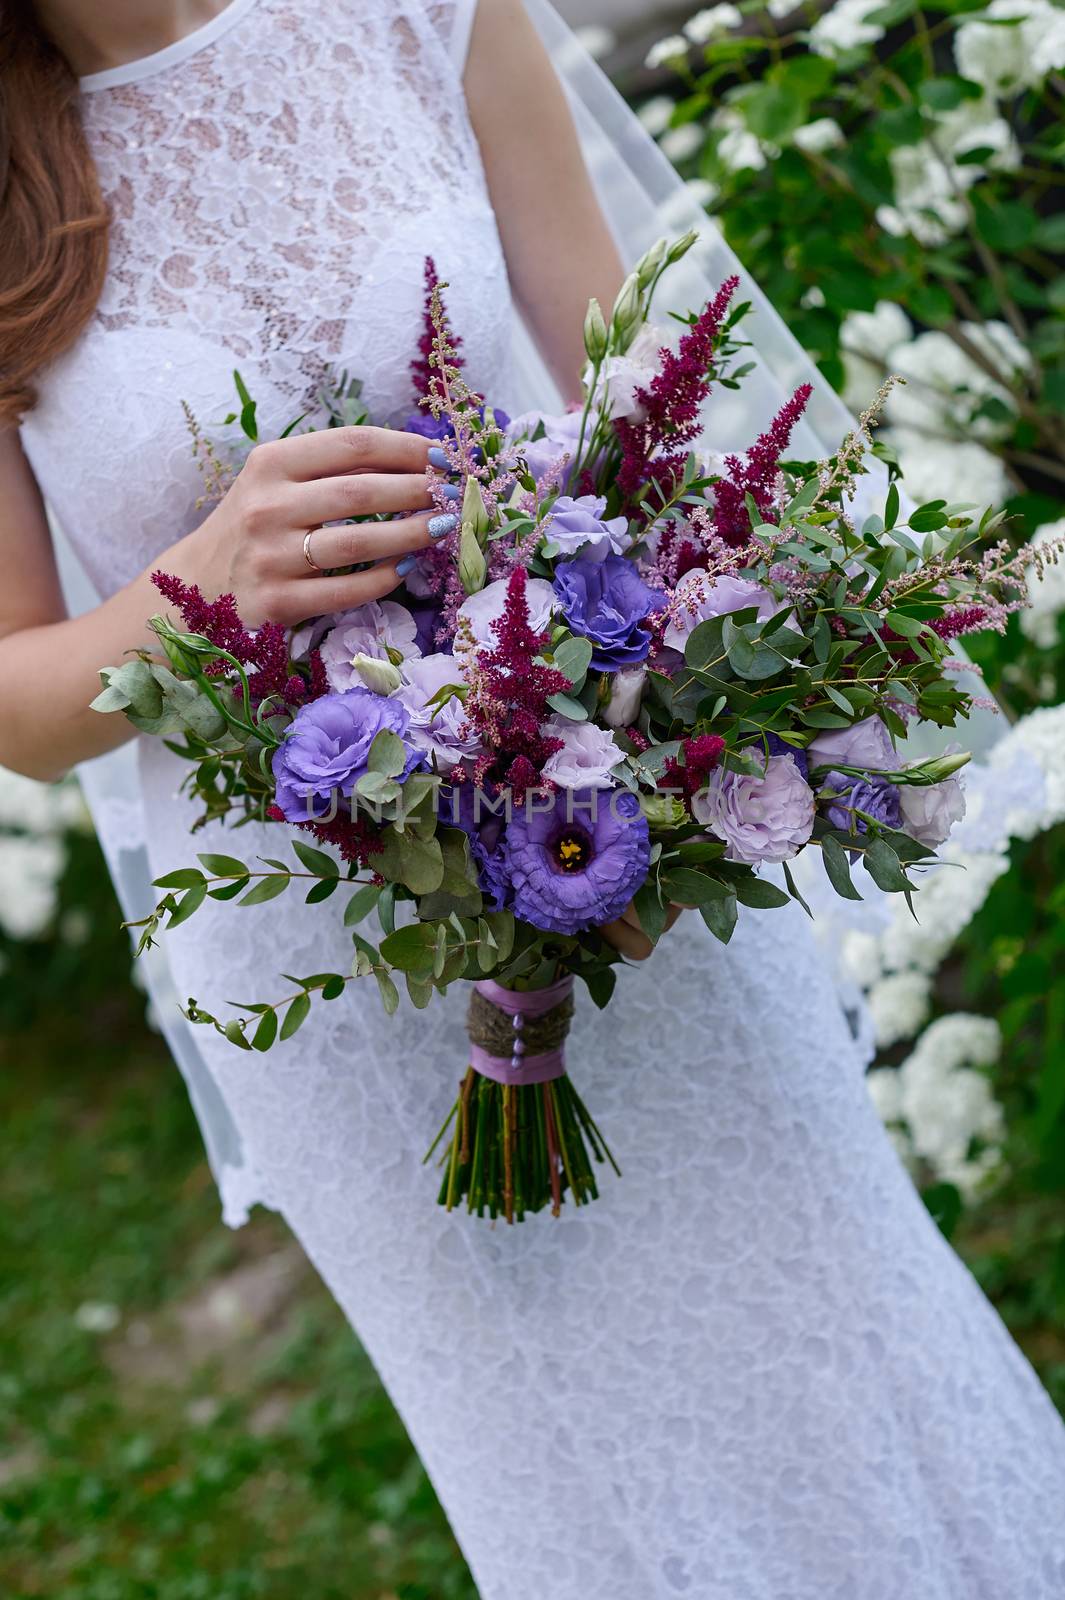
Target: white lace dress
752, 1371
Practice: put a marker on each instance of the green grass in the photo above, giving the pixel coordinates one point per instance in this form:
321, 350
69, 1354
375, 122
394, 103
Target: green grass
185, 1454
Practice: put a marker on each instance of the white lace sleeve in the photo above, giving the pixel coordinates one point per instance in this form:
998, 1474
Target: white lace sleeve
453, 21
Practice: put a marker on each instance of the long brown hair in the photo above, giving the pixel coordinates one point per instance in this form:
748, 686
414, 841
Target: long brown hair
53, 224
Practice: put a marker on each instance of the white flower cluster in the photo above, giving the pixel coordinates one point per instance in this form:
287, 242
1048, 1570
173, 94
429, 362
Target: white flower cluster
1046, 595
34, 819
1012, 45
939, 1105
844, 28
950, 408
1018, 793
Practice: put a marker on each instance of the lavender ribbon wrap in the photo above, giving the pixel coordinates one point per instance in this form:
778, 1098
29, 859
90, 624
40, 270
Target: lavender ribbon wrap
518, 1068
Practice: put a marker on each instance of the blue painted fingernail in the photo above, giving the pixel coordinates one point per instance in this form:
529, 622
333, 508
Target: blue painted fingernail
437, 458
406, 565
451, 491
443, 523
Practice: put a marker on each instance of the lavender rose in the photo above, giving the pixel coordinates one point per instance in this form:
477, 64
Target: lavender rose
560, 438
484, 607
605, 602
381, 628
578, 525
864, 744
587, 758
327, 747
762, 820
697, 597
440, 730
930, 812
579, 863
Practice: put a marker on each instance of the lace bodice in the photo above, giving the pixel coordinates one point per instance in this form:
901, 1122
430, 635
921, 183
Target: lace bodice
275, 181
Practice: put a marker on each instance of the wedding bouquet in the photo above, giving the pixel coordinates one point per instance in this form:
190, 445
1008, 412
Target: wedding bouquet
631, 674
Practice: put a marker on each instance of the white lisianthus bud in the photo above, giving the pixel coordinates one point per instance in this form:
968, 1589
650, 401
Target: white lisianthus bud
927, 773
626, 692
472, 567
474, 510
681, 246
379, 676
626, 312
649, 263
595, 333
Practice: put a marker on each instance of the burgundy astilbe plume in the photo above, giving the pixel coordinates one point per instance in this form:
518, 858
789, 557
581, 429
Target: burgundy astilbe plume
756, 475
509, 690
422, 371
265, 651
356, 839
672, 400
701, 755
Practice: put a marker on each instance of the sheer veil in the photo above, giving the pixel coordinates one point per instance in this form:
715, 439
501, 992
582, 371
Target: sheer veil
643, 198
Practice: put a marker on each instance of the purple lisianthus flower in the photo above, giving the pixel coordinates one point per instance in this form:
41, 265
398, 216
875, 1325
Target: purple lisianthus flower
577, 863
697, 597
427, 425
440, 730
327, 747
777, 747
763, 819
864, 744
874, 796
481, 816
426, 622
605, 602
578, 525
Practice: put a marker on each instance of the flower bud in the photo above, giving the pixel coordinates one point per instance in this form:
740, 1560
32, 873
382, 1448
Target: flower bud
681, 246
474, 511
379, 676
650, 262
626, 312
626, 692
472, 567
935, 769
595, 334
663, 810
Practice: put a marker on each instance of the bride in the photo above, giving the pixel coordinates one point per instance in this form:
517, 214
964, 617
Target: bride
754, 1371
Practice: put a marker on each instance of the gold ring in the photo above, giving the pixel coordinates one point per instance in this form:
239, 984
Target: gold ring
311, 562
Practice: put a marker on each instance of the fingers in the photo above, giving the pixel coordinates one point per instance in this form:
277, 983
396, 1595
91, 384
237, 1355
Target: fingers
626, 939
332, 451
317, 597
359, 494
374, 541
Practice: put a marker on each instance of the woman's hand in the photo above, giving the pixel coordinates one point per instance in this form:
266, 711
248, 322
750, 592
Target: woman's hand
627, 936
265, 543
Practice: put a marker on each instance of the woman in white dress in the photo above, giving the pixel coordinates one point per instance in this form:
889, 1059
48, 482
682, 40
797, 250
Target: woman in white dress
753, 1371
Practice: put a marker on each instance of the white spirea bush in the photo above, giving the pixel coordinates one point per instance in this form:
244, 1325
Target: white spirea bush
940, 1104
35, 819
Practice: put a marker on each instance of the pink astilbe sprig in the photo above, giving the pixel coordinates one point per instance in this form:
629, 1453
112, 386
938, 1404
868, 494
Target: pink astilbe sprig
356, 838
264, 651
422, 368
756, 475
507, 702
672, 401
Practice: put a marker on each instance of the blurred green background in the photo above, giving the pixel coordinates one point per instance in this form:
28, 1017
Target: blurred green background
184, 1414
